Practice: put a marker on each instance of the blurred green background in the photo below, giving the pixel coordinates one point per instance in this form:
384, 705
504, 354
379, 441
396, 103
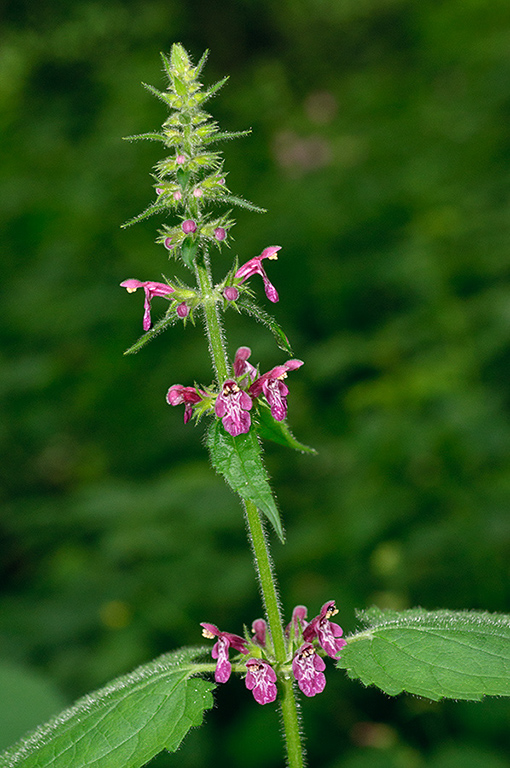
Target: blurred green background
381, 148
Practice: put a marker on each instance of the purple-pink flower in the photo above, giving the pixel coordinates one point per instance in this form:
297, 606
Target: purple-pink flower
177, 394
308, 669
241, 364
275, 391
220, 233
260, 680
254, 267
232, 406
298, 621
259, 629
220, 649
151, 289
327, 632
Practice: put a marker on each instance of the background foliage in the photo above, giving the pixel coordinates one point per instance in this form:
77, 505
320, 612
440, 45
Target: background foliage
381, 149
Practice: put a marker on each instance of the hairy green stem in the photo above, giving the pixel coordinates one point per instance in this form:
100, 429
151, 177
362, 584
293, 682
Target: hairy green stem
212, 319
288, 703
260, 548
289, 708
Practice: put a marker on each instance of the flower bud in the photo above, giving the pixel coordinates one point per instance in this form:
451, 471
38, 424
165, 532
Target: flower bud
167, 242
182, 310
197, 192
177, 195
159, 191
220, 233
231, 293
188, 226
180, 159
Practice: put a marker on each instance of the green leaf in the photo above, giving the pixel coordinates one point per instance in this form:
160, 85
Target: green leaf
189, 251
124, 724
238, 459
165, 322
278, 431
435, 654
268, 320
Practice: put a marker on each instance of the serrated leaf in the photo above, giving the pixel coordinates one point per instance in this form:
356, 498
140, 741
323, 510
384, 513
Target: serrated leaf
242, 203
278, 431
435, 654
238, 459
165, 322
124, 724
268, 320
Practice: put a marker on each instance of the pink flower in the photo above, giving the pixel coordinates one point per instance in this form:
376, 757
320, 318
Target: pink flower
180, 159
177, 394
232, 406
167, 242
327, 632
151, 289
308, 669
275, 391
220, 649
298, 621
254, 267
188, 226
241, 364
261, 679
259, 629
220, 233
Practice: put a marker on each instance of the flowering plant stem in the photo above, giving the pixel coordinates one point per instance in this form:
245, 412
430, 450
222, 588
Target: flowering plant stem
267, 581
257, 536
